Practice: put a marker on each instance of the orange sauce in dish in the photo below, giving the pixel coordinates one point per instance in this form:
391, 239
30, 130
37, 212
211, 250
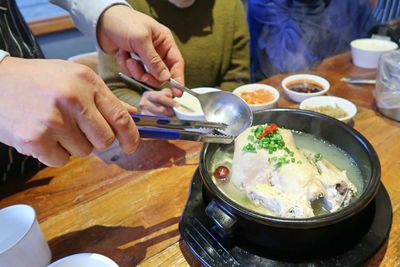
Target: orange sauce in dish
259, 96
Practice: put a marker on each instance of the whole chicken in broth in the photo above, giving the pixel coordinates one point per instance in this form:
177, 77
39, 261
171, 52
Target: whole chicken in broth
276, 175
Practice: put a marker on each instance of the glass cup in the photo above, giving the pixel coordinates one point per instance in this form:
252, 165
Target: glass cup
387, 90
21, 240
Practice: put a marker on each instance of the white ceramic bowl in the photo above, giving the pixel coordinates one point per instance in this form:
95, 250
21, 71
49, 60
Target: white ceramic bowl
257, 86
21, 240
299, 96
319, 101
84, 260
367, 52
193, 103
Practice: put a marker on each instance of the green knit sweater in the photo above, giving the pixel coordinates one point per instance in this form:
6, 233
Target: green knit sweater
212, 36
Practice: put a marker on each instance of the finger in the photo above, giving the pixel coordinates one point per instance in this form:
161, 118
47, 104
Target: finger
158, 111
96, 128
161, 99
175, 62
74, 141
177, 73
119, 119
167, 92
51, 153
153, 61
129, 108
122, 56
151, 108
136, 69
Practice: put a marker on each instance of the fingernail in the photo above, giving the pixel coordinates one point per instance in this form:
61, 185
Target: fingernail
130, 150
164, 75
176, 104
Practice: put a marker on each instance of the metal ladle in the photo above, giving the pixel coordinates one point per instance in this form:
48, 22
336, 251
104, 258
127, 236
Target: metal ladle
218, 106
223, 107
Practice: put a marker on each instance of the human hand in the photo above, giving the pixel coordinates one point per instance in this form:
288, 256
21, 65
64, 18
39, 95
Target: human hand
157, 103
124, 30
51, 109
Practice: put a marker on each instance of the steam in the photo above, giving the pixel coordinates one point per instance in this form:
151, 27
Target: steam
295, 35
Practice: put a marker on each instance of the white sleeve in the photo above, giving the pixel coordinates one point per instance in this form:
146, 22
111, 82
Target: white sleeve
86, 13
3, 54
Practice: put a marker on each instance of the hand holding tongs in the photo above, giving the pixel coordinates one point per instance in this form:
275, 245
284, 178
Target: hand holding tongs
160, 127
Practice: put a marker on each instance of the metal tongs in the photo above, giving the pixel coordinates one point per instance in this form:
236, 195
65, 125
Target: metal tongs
355, 80
160, 127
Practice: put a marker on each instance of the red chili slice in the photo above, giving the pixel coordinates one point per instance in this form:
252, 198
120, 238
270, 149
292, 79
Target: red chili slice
269, 129
221, 172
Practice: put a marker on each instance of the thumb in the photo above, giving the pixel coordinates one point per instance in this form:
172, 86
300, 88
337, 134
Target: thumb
129, 108
167, 92
153, 62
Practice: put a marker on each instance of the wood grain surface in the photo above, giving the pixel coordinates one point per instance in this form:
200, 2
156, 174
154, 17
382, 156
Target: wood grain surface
127, 207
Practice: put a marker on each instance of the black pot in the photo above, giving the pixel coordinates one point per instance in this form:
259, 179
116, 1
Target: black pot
322, 235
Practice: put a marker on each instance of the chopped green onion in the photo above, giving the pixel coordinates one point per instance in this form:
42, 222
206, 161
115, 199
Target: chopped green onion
318, 157
249, 148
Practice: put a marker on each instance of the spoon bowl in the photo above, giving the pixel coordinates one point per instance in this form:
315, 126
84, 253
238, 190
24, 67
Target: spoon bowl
223, 107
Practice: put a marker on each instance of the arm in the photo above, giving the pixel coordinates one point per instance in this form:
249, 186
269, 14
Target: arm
120, 29
238, 72
86, 14
63, 109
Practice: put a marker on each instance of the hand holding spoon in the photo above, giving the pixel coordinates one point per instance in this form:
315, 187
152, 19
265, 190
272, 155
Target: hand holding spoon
219, 106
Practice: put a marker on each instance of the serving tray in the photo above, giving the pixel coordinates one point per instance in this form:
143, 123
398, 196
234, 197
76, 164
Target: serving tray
198, 233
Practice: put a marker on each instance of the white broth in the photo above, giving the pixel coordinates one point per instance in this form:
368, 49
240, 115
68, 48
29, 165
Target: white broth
224, 155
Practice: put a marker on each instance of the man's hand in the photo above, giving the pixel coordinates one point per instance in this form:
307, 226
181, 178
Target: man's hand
158, 103
51, 109
123, 30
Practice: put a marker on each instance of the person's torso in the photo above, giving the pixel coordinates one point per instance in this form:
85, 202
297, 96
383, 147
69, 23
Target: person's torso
203, 32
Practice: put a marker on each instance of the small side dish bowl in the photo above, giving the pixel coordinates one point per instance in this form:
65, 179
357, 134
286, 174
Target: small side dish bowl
258, 96
337, 107
84, 260
302, 86
366, 52
192, 102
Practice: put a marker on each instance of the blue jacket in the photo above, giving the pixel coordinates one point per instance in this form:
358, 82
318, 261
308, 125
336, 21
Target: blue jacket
292, 35
386, 10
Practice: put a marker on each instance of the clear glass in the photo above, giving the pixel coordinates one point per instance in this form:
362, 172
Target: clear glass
387, 90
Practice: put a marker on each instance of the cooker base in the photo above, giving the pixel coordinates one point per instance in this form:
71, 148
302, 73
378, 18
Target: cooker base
198, 232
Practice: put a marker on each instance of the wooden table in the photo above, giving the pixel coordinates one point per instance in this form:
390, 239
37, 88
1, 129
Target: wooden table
127, 207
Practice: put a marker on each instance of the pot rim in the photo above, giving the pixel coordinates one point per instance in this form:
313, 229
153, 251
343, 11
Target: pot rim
360, 204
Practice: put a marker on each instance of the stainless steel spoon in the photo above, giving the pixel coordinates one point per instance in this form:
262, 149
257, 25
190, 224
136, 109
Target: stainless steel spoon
218, 106
223, 107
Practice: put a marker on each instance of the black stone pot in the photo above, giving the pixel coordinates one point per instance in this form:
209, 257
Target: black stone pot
297, 238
